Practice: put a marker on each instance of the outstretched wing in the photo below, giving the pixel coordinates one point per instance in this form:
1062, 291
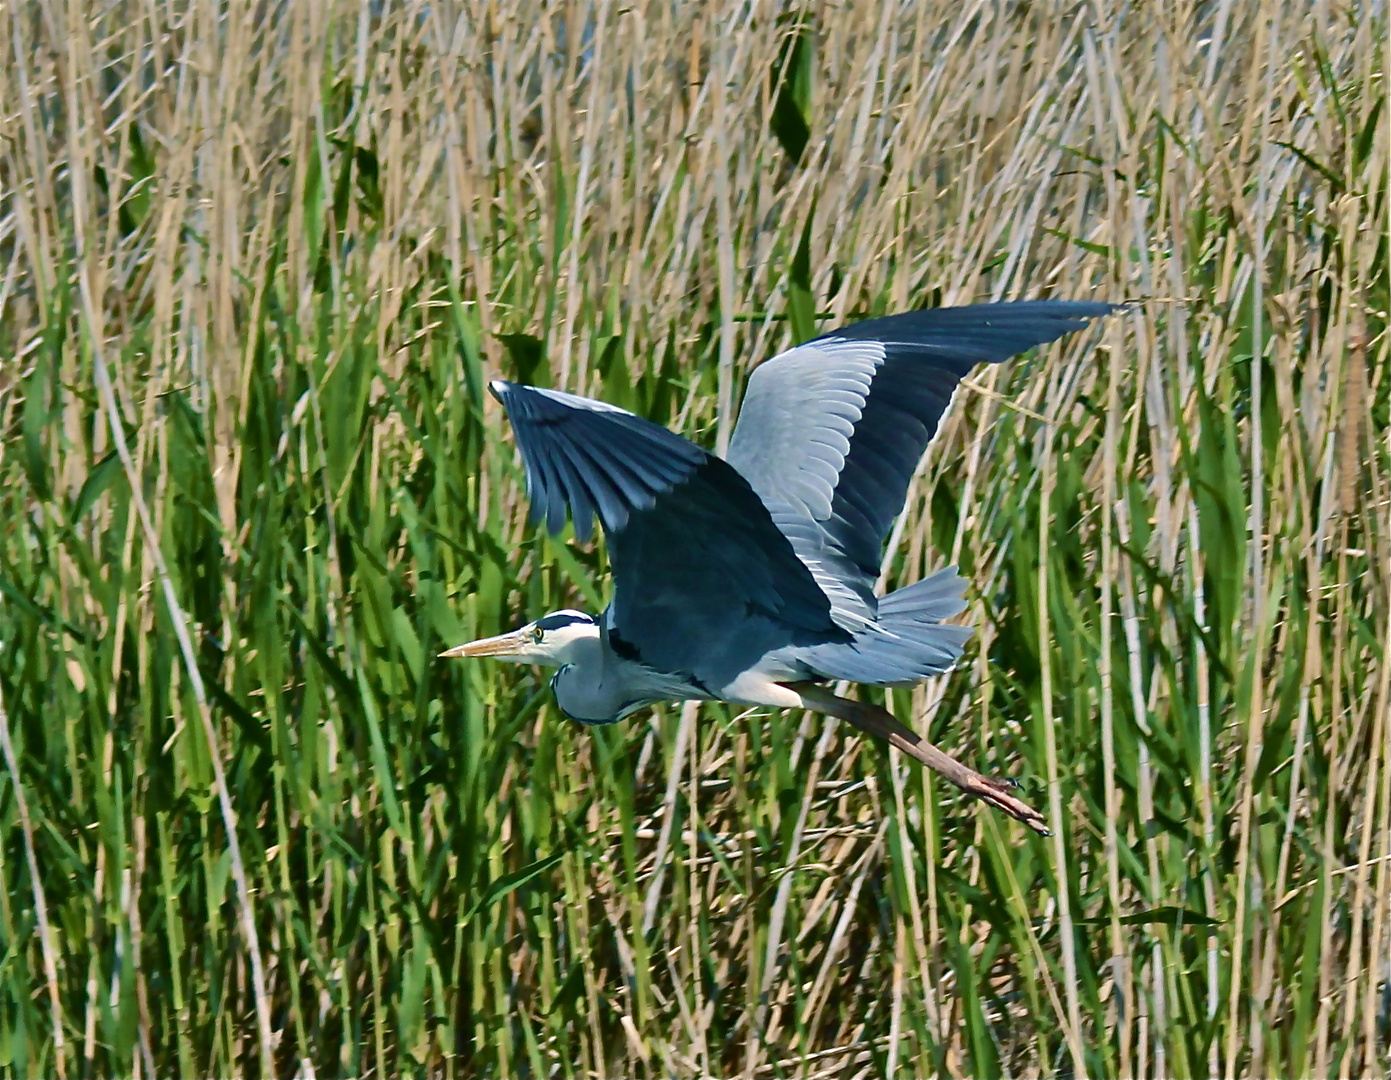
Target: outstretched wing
695, 554
830, 432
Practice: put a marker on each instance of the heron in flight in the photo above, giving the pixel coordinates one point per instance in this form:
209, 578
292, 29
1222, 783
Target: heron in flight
751, 578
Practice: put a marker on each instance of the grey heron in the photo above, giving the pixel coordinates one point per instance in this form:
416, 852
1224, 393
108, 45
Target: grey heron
751, 578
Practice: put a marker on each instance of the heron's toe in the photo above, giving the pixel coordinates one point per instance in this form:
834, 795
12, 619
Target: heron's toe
998, 792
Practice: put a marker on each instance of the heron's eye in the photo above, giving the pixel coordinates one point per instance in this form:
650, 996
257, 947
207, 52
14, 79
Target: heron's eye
537, 634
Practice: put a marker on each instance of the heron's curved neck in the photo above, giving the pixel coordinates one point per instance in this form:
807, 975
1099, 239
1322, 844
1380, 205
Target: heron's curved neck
587, 686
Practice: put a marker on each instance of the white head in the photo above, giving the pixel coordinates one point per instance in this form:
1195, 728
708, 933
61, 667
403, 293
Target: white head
554, 640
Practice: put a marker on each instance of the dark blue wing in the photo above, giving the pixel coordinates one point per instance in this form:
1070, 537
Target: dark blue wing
696, 557
830, 432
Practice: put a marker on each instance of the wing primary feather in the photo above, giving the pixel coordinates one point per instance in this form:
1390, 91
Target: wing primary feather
577, 495
543, 486
614, 500
613, 460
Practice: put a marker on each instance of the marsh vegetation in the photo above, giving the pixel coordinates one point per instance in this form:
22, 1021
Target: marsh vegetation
257, 263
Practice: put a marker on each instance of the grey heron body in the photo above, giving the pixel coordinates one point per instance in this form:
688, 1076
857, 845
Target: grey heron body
750, 579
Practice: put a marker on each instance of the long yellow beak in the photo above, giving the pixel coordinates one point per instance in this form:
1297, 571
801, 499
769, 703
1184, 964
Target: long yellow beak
502, 645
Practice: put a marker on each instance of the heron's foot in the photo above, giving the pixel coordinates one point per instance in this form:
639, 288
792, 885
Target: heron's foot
998, 792
883, 725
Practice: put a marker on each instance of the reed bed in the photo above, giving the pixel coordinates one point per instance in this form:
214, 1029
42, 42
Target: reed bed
257, 262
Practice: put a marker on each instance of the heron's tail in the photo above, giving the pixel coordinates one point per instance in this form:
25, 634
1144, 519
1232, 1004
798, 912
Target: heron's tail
932, 599
908, 642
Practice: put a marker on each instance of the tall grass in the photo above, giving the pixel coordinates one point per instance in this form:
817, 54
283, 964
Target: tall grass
257, 262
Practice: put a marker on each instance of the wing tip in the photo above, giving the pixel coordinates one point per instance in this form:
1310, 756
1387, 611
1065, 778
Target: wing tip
1056, 308
980, 332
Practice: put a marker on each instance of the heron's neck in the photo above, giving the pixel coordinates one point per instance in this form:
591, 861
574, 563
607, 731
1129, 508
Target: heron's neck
587, 687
